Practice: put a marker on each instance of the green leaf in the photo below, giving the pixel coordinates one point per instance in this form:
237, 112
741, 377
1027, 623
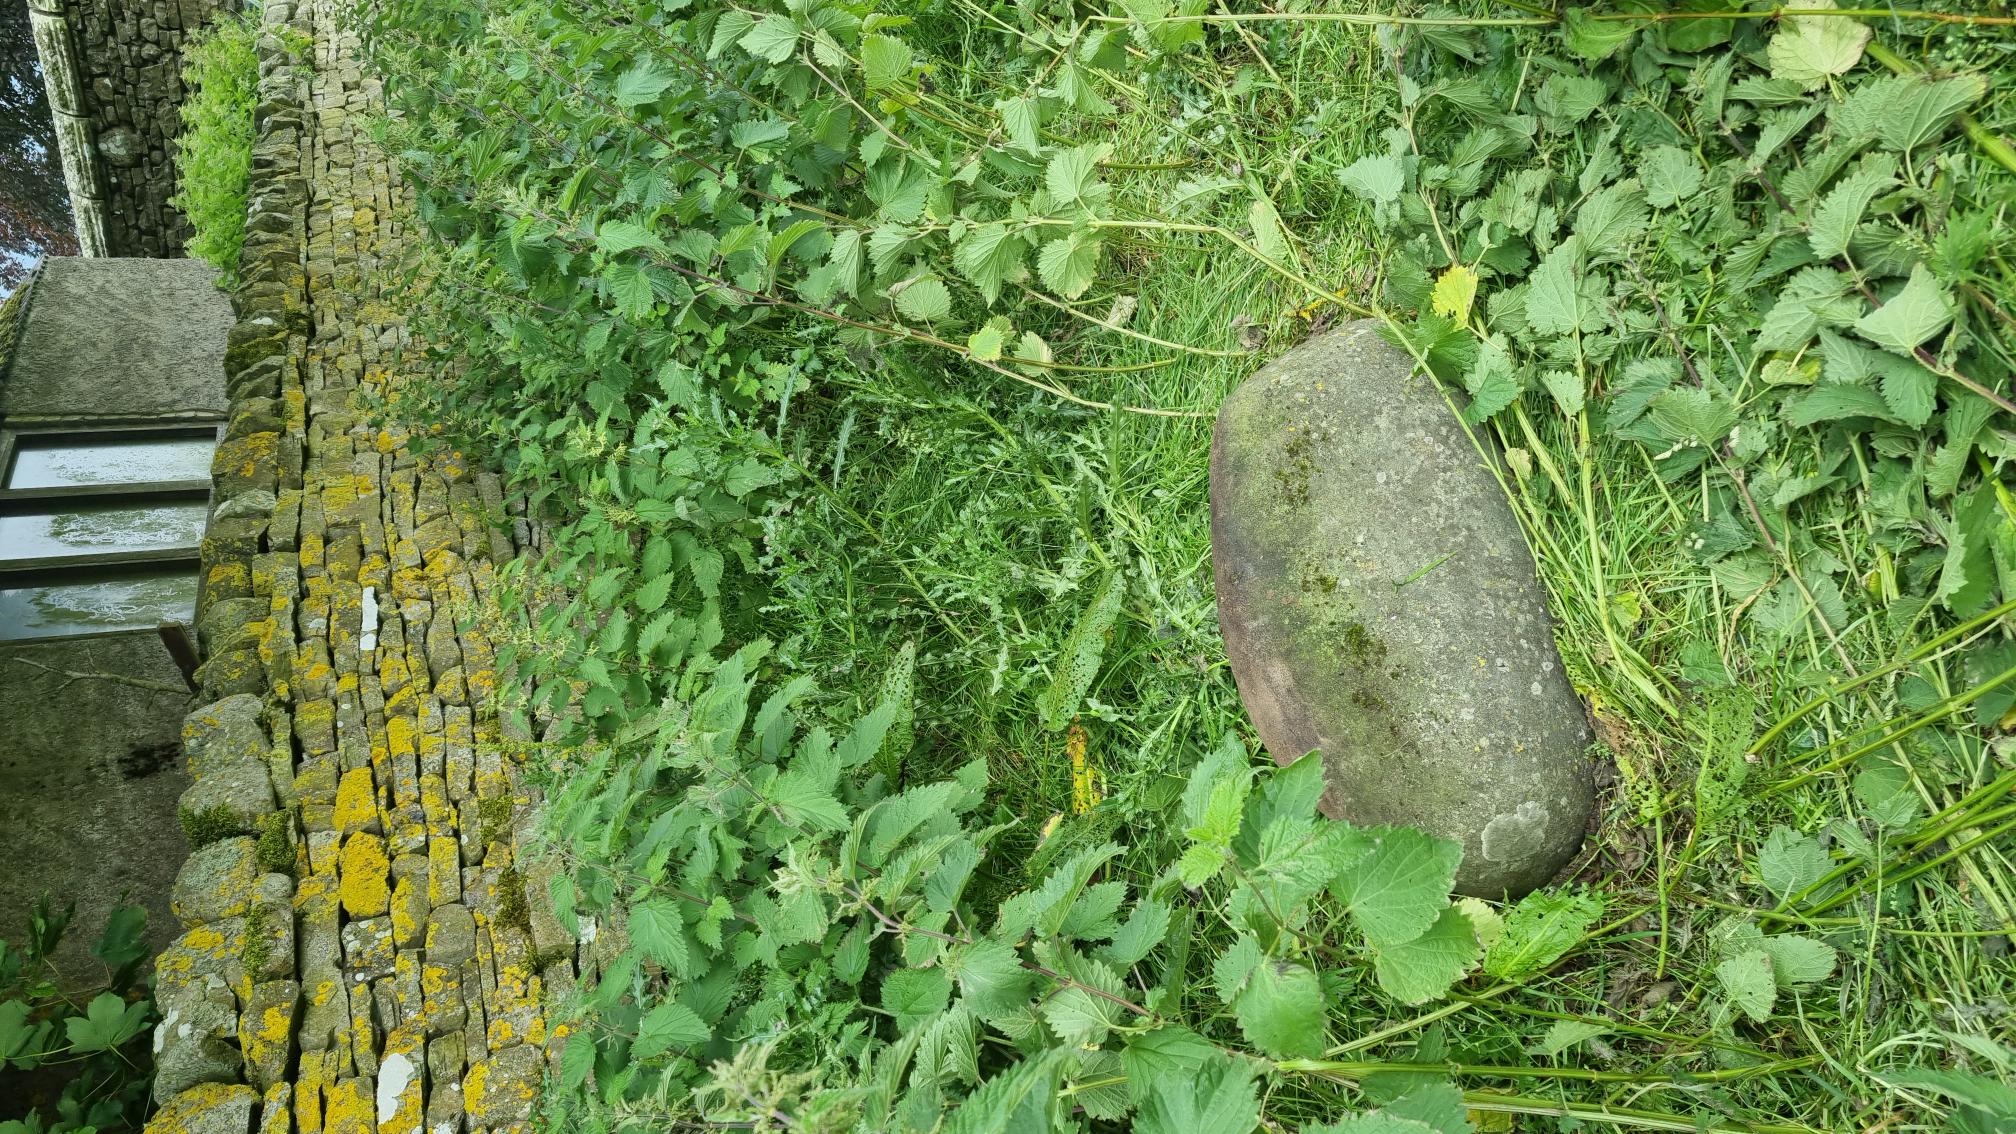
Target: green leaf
1920, 310
925, 301
1281, 1010
1566, 389
107, 1022
631, 289
1797, 960
1790, 862
1072, 177
669, 1025
773, 38
1378, 178
1539, 931
1809, 50
1268, 235
654, 594
1078, 660
1231, 968
1566, 1034
1910, 390
885, 60
987, 343
1746, 980
1555, 299
1915, 109
915, 995
657, 928
1166, 1060
1670, 175
643, 82
990, 256
1067, 264
992, 981
1595, 40
1834, 220
616, 237
1425, 968
1400, 887
1218, 1097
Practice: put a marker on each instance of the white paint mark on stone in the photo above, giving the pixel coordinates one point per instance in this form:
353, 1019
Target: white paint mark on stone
395, 1073
368, 640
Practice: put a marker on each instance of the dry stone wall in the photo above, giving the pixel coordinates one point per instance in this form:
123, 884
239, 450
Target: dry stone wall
361, 951
114, 73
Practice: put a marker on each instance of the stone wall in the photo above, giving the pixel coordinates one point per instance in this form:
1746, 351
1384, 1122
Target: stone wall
361, 951
114, 73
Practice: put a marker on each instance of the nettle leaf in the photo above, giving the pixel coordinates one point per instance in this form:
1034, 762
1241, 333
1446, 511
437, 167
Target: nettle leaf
1067, 264
1166, 1060
1072, 177
643, 82
657, 928
1920, 310
1378, 179
1455, 291
1558, 302
669, 1025
915, 995
1915, 110
1834, 221
1809, 50
1539, 931
616, 237
1281, 1010
885, 61
926, 301
1746, 980
773, 38
1797, 960
1910, 390
1670, 175
1425, 968
990, 256
1217, 1094
1397, 889
1790, 862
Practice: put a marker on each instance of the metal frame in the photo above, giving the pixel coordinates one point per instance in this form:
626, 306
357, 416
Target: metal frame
44, 570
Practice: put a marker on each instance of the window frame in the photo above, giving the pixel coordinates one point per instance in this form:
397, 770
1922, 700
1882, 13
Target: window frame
83, 566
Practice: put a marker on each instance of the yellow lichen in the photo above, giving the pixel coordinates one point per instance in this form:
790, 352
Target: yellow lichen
366, 887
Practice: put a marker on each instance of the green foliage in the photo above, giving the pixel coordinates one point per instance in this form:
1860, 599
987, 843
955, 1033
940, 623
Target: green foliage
91, 1042
796, 325
276, 843
213, 154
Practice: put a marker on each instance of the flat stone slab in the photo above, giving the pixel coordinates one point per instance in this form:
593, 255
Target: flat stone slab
1379, 605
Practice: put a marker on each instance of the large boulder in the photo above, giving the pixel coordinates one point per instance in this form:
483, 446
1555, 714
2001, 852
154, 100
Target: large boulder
1379, 605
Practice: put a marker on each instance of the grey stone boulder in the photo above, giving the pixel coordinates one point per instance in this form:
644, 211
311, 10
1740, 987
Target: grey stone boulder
217, 881
197, 1041
240, 792
1379, 605
224, 733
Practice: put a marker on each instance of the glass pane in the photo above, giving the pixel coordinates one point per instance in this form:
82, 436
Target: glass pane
128, 603
102, 527
110, 460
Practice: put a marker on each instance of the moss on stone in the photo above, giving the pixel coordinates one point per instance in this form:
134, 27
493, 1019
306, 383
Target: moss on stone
495, 816
258, 944
203, 826
276, 843
511, 907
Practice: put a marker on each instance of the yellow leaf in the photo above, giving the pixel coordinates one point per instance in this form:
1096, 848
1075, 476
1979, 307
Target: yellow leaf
1454, 293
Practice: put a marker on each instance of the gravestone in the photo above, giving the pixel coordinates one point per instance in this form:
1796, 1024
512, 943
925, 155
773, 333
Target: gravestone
1380, 606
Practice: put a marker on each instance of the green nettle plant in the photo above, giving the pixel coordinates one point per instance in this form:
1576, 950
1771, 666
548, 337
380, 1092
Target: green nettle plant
213, 154
93, 1053
667, 232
